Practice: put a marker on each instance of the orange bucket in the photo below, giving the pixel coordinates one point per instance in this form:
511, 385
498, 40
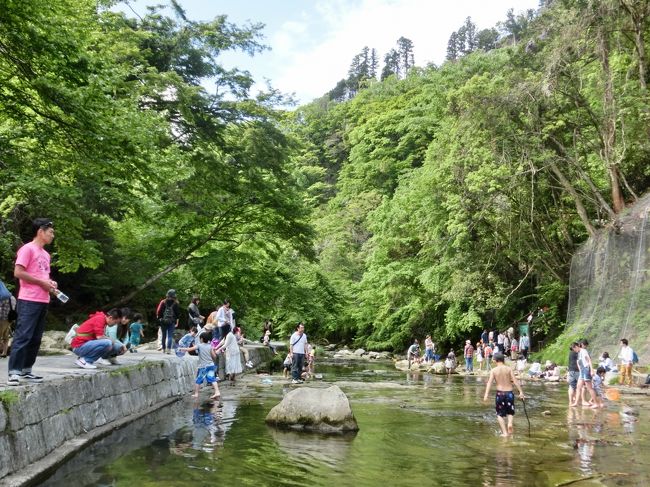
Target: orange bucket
612, 394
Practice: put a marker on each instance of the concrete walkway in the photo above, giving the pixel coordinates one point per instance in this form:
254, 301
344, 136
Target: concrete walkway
53, 367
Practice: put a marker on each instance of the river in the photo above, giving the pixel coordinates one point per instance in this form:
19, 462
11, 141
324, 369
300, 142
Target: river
415, 430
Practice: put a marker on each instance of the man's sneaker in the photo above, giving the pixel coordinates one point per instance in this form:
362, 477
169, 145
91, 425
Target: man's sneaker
101, 361
84, 365
14, 380
32, 377
249, 364
113, 361
296, 381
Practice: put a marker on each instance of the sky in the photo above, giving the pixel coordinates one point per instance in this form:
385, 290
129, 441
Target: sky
312, 42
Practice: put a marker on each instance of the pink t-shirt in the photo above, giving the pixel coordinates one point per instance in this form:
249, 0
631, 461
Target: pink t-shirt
36, 262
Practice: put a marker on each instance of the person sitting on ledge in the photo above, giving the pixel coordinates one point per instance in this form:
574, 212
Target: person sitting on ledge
551, 371
607, 363
90, 343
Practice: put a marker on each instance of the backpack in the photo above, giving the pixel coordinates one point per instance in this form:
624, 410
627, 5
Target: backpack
168, 316
635, 358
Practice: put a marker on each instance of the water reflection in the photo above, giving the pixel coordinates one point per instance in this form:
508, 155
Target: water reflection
416, 429
582, 425
328, 449
210, 422
501, 471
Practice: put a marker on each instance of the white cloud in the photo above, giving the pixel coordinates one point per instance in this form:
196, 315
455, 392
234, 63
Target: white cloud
349, 25
288, 38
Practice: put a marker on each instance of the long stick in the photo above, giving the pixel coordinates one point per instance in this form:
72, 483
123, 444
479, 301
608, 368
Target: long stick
526, 413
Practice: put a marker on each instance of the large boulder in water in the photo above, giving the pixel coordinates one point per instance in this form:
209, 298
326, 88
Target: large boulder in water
314, 409
438, 368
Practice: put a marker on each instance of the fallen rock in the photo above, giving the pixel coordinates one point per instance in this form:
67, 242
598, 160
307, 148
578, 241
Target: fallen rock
54, 340
359, 352
402, 365
437, 368
344, 354
314, 409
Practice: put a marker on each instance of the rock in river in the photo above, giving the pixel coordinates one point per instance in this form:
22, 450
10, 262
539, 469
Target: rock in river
314, 409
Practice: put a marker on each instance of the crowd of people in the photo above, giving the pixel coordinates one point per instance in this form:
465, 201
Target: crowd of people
104, 336
504, 342
586, 381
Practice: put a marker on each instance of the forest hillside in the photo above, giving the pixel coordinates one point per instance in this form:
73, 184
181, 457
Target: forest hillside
407, 200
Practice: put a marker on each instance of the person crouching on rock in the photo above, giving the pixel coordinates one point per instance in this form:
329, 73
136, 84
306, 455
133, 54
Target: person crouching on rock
90, 343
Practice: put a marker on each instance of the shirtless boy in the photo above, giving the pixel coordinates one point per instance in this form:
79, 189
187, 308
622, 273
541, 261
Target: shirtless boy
505, 398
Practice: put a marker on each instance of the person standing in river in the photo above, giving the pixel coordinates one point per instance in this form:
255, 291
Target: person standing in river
468, 353
32, 269
297, 345
586, 373
573, 372
505, 397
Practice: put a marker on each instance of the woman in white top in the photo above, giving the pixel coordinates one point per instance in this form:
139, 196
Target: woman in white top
233, 354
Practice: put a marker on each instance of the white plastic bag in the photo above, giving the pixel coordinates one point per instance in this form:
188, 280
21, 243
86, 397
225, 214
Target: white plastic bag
71, 334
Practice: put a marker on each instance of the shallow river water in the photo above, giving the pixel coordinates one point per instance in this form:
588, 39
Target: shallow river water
415, 430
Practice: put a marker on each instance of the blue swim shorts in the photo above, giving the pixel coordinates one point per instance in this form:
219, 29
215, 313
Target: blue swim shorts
207, 374
505, 403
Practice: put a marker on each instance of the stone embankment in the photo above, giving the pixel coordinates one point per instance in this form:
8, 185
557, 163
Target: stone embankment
43, 424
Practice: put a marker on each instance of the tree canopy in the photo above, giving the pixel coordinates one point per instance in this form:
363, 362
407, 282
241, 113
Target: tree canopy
407, 200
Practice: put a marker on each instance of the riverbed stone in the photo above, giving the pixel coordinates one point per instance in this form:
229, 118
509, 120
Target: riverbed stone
402, 365
314, 409
54, 340
437, 368
359, 352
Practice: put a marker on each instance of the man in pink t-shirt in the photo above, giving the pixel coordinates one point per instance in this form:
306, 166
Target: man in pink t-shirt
32, 269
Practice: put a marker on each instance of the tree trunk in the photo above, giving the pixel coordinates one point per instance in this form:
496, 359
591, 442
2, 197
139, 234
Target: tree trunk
608, 130
580, 208
638, 12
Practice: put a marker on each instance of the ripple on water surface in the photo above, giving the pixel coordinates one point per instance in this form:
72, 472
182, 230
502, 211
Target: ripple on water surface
415, 429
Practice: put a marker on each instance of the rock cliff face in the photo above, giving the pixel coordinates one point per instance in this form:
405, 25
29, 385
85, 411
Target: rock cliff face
314, 409
609, 285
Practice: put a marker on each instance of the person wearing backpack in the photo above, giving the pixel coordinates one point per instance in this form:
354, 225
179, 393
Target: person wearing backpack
627, 359
168, 314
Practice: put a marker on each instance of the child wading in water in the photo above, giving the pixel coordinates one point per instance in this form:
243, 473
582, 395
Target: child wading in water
505, 397
207, 369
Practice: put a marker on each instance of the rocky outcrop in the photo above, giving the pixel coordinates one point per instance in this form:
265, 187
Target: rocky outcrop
53, 342
432, 368
314, 409
360, 353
